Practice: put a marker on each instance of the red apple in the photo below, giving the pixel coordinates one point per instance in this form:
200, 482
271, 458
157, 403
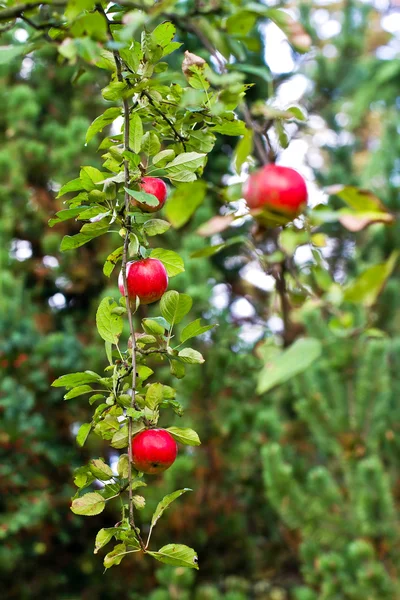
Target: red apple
280, 189
146, 279
155, 186
153, 451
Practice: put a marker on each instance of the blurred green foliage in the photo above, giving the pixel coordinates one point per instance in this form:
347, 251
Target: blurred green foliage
295, 491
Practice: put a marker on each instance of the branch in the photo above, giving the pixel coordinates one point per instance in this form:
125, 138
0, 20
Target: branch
127, 223
166, 119
13, 12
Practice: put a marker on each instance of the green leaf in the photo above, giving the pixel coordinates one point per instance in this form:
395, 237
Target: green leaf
83, 433
135, 133
64, 215
362, 201
281, 133
112, 260
194, 329
154, 395
185, 436
190, 356
243, 150
114, 91
72, 186
150, 143
100, 122
165, 503
259, 71
100, 469
143, 197
177, 555
88, 232
108, 348
184, 201
163, 34
175, 306
170, 259
187, 161
103, 537
296, 359
197, 79
231, 128
109, 325
153, 327
77, 391
178, 369
8, 53
144, 372
123, 466
73, 379
211, 250
89, 504
156, 227
367, 287
115, 556
89, 177
299, 112
241, 23
163, 157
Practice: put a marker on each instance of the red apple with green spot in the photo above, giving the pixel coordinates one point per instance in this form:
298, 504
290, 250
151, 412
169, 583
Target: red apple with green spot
155, 186
146, 279
153, 451
278, 189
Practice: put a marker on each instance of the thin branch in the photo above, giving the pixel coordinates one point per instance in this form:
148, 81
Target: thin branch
127, 223
285, 306
12, 12
166, 119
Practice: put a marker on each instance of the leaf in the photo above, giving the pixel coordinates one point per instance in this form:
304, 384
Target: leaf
123, 466
115, 556
112, 260
178, 369
114, 91
243, 150
72, 186
89, 504
194, 329
259, 71
185, 436
156, 227
170, 259
135, 133
211, 250
83, 433
103, 537
64, 215
143, 197
165, 503
163, 157
109, 325
175, 306
299, 112
73, 379
100, 469
184, 201
150, 143
296, 359
163, 34
216, 224
190, 356
235, 127
187, 161
177, 555
88, 232
154, 395
8, 53
154, 327
77, 391
100, 122
367, 287
89, 177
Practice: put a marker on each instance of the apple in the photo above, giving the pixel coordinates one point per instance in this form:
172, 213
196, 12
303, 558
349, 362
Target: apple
155, 186
275, 188
153, 451
146, 279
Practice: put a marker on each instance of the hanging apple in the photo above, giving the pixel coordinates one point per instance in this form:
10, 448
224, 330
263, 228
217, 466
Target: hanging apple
146, 279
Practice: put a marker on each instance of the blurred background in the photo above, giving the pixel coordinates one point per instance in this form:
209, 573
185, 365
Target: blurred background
295, 491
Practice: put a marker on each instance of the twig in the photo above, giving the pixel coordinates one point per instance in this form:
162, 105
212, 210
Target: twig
166, 119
